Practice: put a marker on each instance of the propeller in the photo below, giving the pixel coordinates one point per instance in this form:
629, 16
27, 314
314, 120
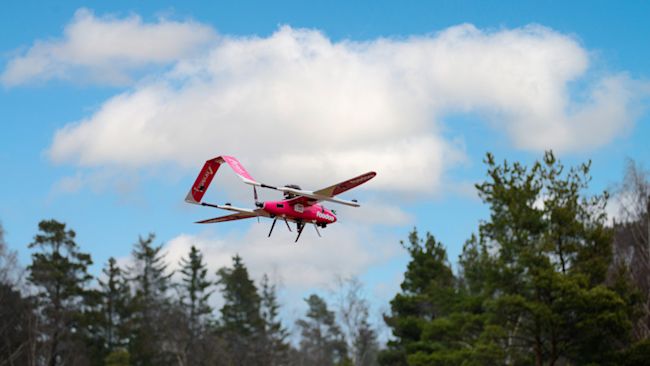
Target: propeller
258, 204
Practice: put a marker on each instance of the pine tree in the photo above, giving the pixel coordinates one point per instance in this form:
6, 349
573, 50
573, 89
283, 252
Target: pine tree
241, 325
365, 344
59, 272
428, 293
275, 348
195, 289
322, 343
151, 305
115, 298
194, 293
551, 251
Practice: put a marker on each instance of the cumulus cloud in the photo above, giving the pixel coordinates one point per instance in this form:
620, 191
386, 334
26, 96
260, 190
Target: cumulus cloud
376, 213
313, 262
105, 49
297, 106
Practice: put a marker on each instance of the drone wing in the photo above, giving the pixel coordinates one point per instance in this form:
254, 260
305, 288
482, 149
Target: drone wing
347, 185
202, 182
327, 194
237, 216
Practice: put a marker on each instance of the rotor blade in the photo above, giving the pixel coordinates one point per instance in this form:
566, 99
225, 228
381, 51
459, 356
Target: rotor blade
255, 193
317, 232
272, 225
300, 227
287, 222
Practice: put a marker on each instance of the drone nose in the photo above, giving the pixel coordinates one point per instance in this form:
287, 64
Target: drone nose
259, 204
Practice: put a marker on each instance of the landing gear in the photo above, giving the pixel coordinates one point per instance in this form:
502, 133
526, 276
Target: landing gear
273, 225
300, 225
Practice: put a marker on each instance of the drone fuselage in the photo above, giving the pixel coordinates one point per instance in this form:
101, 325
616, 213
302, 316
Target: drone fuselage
315, 213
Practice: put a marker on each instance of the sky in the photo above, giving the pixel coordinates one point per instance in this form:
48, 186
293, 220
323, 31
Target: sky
109, 109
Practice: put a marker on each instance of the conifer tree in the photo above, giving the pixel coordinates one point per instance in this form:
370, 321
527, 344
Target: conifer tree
551, 251
194, 344
59, 272
195, 289
241, 324
275, 346
322, 343
151, 305
115, 295
428, 293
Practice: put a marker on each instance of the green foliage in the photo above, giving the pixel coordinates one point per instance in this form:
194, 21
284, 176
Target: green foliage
59, 272
195, 289
116, 297
531, 287
551, 251
275, 346
118, 357
240, 313
428, 293
150, 306
241, 324
637, 355
16, 334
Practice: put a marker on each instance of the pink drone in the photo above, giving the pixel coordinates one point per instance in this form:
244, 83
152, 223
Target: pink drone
298, 206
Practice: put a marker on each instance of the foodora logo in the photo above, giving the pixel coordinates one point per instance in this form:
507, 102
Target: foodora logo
324, 216
206, 175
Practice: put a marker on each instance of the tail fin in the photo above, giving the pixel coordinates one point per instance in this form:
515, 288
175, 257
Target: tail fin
195, 195
210, 168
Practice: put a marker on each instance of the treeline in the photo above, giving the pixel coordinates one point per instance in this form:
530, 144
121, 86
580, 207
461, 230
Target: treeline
139, 316
546, 280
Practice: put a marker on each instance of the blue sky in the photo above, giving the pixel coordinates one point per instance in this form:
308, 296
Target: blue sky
308, 94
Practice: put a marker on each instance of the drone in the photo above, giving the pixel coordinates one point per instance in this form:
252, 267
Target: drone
298, 206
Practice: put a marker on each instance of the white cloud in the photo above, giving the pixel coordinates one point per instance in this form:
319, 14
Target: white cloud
376, 213
298, 107
106, 49
311, 263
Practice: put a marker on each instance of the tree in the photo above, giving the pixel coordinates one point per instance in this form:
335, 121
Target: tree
17, 319
10, 272
118, 357
428, 293
195, 289
275, 346
59, 273
322, 343
241, 325
114, 309
151, 305
194, 293
632, 238
551, 250
531, 287
354, 311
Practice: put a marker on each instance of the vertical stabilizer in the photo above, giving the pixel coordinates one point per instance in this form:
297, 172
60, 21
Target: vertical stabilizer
203, 181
